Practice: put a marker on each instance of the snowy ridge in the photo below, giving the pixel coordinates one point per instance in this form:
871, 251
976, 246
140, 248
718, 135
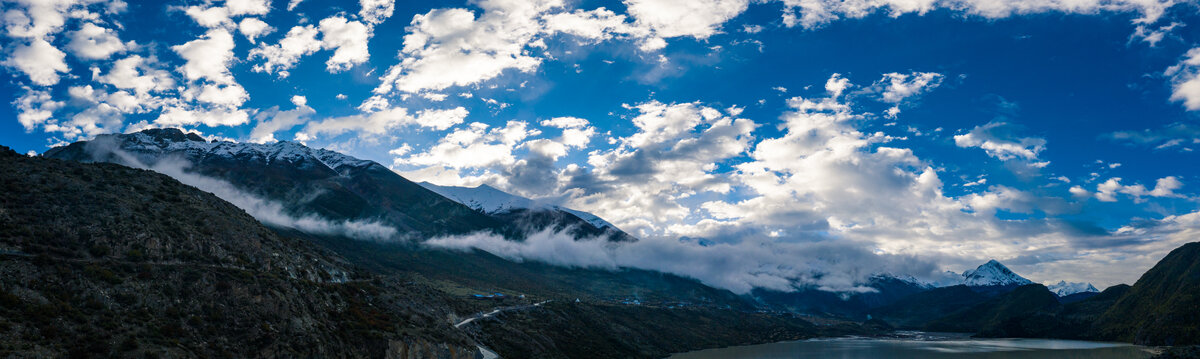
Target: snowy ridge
904, 278
492, 201
588, 217
1064, 288
159, 141
993, 273
484, 198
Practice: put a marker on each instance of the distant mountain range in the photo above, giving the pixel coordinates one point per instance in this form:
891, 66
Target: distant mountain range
325, 198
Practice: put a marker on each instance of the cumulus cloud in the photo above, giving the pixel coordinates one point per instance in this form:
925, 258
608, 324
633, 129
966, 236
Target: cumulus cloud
39, 60
451, 47
252, 28
299, 41
1186, 80
176, 116
135, 73
94, 43
348, 40
383, 121
373, 11
696, 172
895, 88
273, 120
815, 13
695, 18
1000, 140
1108, 191
35, 108
474, 146
208, 57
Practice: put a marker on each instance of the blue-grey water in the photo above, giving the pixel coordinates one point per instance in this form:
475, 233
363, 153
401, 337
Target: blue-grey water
927, 346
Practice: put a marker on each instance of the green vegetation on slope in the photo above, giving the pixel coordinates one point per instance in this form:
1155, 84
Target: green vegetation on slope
1163, 307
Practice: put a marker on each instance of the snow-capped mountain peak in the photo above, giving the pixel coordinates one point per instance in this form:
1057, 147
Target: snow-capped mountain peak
1064, 288
993, 273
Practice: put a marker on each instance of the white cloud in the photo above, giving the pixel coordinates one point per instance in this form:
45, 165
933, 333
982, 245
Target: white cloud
134, 73
222, 16
897, 87
35, 108
182, 116
999, 140
373, 11
594, 25
695, 18
299, 41
1186, 80
231, 96
273, 120
838, 267
248, 7
815, 13
210, 17
1166, 186
35, 19
450, 47
1107, 191
473, 146
348, 39
252, 28
40, 61
94, 42
385, 120
208, 57
565, 122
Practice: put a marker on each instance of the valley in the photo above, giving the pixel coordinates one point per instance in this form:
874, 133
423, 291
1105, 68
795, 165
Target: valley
87, 225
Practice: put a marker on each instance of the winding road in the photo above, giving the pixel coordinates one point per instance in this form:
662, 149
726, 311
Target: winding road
497, 311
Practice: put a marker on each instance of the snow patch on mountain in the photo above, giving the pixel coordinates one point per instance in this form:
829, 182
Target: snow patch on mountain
492, 201
993, 273
173, 141
1064, 288
989, 274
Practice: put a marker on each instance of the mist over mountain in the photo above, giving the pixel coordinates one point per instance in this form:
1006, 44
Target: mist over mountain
324, 192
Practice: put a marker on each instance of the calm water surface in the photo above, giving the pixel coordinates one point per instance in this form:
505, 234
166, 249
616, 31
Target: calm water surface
928, 346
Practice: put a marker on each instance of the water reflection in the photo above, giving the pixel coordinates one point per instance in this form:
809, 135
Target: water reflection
916, 345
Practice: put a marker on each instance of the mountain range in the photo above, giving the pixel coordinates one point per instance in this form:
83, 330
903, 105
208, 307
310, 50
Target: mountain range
361, 225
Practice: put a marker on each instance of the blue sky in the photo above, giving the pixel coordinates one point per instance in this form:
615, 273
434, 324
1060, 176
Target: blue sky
1054, 137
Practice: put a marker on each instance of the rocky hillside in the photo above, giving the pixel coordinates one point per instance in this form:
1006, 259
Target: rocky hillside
105, 260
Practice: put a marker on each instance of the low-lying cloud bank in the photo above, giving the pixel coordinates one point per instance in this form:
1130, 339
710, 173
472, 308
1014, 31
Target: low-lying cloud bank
740, 267
262, 209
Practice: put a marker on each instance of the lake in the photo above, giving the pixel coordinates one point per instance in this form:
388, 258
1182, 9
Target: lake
914, 345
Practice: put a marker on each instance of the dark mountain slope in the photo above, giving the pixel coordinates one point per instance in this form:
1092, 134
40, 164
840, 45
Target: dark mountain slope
1021, 302
104, 260
482, 272
1163, 307
853, 306
304, 180
914, 311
